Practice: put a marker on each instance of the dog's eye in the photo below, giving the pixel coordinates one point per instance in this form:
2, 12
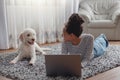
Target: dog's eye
28, 35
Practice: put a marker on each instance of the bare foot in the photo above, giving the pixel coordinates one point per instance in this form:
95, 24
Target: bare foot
44, 53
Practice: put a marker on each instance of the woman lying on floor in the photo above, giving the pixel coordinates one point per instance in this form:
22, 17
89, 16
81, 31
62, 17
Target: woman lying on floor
84, 44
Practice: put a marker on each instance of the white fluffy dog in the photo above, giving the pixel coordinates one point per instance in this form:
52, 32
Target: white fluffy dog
28, 46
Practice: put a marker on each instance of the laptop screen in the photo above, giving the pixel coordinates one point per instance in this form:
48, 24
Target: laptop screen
63, 65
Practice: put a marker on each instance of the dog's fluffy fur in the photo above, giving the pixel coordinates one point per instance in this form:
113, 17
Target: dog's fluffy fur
28, 46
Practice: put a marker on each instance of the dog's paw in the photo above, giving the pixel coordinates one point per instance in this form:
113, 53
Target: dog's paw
31, 64
12, 62
44, 53
46, 49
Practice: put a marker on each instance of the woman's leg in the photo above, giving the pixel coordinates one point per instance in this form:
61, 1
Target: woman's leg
100, 45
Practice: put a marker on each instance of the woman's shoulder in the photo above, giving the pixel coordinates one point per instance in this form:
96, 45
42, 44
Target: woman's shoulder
87, 36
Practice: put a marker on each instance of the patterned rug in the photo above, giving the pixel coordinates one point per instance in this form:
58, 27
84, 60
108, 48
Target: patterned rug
23, 71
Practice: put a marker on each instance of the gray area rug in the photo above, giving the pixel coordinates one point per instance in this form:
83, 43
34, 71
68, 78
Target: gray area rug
23, 71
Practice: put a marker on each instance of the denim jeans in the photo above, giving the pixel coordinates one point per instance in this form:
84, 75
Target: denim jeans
99, 46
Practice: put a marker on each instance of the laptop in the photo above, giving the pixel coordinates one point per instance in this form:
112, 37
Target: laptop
63, 65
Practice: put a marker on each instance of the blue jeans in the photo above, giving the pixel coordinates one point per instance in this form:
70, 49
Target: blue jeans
99, 46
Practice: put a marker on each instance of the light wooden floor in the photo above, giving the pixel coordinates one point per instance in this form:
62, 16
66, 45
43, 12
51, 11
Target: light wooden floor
4, 78
113, 74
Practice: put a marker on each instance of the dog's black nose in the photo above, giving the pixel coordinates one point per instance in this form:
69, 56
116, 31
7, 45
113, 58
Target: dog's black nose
33, 39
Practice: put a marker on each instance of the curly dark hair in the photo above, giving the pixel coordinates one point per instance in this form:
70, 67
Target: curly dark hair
74, 25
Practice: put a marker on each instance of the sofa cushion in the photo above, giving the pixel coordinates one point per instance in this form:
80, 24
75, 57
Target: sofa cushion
101, 24
102, 17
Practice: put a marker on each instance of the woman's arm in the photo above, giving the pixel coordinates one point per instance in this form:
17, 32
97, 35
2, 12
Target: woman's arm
88, 50
64, 48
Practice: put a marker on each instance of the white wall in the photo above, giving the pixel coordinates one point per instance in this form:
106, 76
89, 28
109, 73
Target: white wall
3, 27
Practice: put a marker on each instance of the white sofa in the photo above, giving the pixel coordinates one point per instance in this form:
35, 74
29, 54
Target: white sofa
101, 16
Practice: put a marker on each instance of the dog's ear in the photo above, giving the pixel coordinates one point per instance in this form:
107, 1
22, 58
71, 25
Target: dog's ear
21, 37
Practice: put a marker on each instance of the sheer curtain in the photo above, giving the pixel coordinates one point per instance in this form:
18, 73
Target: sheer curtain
47, 17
